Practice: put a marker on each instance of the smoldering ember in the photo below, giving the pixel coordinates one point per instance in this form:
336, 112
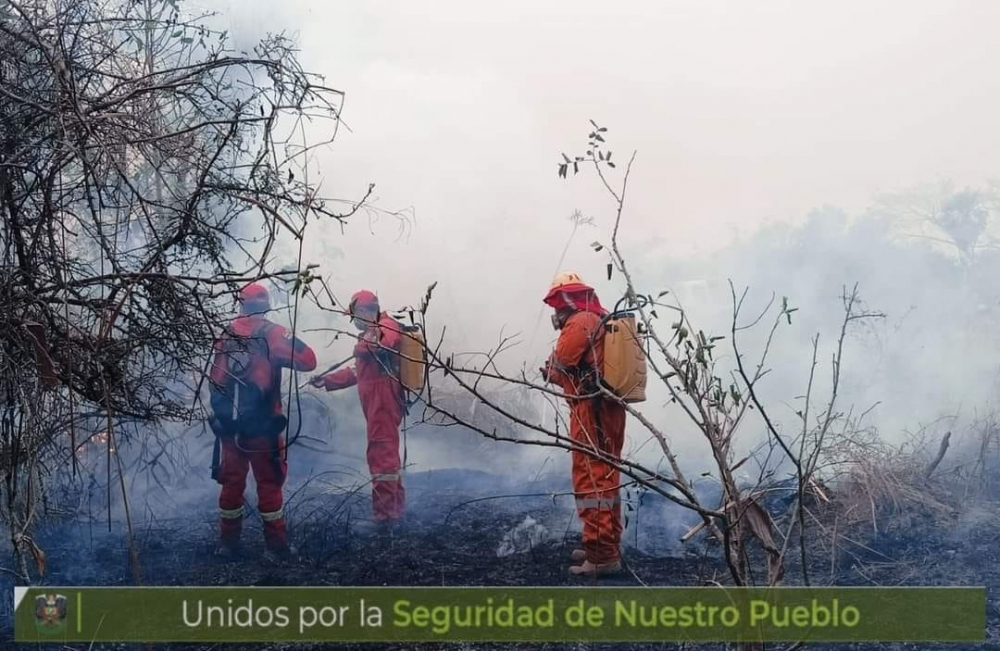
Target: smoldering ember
566, 294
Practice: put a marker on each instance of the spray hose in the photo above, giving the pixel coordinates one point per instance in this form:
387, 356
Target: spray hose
327, 371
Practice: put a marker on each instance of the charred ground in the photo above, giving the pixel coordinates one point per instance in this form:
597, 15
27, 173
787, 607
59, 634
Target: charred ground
463, 526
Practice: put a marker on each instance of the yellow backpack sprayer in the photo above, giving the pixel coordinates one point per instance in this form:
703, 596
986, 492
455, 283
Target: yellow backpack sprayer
625, 367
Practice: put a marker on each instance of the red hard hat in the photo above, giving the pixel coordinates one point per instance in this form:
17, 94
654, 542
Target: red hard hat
363, 298
254, 297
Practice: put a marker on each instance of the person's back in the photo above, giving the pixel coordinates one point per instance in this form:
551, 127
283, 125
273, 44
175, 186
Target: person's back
255, 350
247, 419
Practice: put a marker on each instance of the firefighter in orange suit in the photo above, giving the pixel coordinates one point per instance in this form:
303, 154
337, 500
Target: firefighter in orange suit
376, 373
247, 419
596, 423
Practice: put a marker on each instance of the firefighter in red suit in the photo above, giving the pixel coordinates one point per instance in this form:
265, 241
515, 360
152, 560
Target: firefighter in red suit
247, 419
376, 372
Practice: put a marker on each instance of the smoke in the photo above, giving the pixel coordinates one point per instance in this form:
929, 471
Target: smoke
471, 142
926, 360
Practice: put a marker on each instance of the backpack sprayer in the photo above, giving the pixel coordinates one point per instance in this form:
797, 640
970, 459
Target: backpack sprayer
625, 365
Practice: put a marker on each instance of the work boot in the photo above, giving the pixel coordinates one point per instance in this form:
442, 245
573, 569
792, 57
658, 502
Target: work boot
226, 551
578, 555
280, 553
595, 570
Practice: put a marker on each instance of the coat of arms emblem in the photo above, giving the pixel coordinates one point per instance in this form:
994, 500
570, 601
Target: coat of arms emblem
50, 613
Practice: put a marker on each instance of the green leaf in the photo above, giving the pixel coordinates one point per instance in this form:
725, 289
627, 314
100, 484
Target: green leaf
610, 164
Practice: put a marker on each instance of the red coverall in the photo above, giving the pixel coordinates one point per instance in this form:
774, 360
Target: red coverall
246, 379
376, 372
595, 423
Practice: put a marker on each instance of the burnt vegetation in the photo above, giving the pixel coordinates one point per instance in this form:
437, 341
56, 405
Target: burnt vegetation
145, 174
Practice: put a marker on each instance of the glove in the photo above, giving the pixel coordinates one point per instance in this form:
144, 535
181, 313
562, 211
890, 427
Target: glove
317, 381
550, 371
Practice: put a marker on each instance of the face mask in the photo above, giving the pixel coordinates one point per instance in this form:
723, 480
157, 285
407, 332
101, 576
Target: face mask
364, 319
556, 322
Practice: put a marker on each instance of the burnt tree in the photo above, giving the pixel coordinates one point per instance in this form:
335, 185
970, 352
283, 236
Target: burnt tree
146, 171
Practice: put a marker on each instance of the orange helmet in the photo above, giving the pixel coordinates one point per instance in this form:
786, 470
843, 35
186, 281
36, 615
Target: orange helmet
363, 298
254, 299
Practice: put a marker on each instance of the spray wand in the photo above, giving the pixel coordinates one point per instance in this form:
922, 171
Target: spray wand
327, 371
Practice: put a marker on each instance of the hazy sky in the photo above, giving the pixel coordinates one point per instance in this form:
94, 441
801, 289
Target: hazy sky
742, 113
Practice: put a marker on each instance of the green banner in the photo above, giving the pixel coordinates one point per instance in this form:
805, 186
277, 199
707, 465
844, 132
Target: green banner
498, 614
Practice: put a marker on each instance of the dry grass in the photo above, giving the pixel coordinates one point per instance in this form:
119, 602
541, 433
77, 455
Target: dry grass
876, 483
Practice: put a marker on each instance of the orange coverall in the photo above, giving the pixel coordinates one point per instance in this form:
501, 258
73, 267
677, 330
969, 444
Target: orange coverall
376, 372
595, 423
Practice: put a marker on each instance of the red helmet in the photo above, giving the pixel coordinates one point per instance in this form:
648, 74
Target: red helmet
567, 282
254, 299
363, 298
